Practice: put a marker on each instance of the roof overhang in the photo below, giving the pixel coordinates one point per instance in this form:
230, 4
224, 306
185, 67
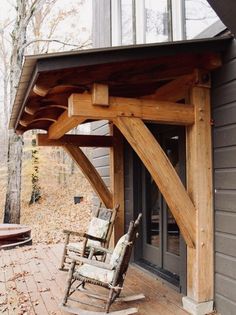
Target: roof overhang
226, 11
48, 80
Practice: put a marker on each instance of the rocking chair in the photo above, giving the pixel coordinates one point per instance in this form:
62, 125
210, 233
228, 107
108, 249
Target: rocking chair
107, 275
98, 234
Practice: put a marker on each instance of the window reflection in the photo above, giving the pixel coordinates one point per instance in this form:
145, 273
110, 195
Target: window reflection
157, 21
127, 22
173, 234
153, 213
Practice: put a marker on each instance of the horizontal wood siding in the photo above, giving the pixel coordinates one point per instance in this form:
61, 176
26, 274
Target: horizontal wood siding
224, 139
101, 156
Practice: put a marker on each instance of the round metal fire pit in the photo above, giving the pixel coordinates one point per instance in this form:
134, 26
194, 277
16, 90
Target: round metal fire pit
12, 235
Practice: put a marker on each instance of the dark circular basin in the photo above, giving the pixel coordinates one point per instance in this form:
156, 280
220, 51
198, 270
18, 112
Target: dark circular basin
12, 235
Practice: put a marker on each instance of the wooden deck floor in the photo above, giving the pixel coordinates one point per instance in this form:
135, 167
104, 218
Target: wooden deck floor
30, 284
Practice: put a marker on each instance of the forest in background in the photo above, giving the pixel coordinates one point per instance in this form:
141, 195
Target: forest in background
50, 179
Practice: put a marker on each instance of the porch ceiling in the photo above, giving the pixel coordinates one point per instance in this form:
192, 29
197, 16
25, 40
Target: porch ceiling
48, 80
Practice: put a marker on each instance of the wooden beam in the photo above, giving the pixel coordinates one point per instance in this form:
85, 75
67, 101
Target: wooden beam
163, 173
174, 90
199, 184
117, 180
63, 125
79, 140
80, 105
91, 174
100, 94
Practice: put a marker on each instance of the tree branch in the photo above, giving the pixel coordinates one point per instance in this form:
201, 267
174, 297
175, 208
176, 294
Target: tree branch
55, 41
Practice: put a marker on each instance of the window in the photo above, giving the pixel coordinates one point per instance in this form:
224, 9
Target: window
153, 21
157, 21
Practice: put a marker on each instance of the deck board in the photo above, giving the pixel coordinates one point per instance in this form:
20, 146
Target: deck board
31, 283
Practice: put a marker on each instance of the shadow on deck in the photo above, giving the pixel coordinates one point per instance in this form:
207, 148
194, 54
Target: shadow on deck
30, 284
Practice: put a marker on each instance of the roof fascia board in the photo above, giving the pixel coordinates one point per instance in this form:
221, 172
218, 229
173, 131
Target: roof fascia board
105, 56
31, 84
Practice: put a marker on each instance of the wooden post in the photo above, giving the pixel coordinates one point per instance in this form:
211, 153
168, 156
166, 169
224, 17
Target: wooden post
199, 185
117, 179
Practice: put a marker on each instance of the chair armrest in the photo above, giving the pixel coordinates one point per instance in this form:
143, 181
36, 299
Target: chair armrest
91, 262
94, 238
101, 249
81, 234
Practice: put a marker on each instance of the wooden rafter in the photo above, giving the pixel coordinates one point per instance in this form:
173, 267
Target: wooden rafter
80, 105
63, 125
174, 90
91, 174
162, 171
38, 110
78, 140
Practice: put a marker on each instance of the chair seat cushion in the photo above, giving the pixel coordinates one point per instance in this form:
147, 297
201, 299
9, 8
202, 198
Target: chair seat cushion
77, 247
116, 255
98, 227
96, 273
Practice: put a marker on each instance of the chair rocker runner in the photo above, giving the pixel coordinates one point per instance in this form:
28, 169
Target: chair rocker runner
110, 276
98, 234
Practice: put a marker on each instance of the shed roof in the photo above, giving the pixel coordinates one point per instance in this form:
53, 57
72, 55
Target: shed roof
129, 71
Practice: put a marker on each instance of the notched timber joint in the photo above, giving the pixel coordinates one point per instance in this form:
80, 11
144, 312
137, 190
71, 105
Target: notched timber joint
100, 94
202, 78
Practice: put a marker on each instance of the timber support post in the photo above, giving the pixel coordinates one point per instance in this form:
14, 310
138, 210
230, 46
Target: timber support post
117, 180
200, 283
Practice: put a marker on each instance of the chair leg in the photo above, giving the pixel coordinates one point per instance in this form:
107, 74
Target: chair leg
62, 266
69, 283
109, 302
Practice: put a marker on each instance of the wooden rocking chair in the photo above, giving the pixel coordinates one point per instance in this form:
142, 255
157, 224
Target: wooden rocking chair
98, 234
107, 275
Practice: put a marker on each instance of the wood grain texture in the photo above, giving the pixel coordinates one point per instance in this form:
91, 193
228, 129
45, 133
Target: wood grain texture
91, 174
117, 180
34, 272
80, 105
100, 95
174, 90
163, 173
63, 125
78, 140
199, 184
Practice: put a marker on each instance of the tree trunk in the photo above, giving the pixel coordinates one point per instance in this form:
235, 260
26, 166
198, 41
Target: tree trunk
12, 203
15, 143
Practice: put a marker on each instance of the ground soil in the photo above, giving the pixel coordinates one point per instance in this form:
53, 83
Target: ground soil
56, 209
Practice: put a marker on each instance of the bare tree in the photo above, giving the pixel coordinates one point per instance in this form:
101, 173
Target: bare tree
34, 30
24, 14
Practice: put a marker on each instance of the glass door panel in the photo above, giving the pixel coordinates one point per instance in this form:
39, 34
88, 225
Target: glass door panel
151, 220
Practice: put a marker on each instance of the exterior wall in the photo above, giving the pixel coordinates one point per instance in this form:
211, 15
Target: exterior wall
224, 146
101, 156
101, 38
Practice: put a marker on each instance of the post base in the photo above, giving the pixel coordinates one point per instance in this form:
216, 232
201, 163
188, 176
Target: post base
196, 308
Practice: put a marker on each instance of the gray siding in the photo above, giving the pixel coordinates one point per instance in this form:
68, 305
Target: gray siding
101, 156
224, 141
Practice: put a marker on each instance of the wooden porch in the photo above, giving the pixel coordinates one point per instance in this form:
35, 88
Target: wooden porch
30, 283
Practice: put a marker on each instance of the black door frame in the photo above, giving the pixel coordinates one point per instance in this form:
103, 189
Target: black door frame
137, 204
